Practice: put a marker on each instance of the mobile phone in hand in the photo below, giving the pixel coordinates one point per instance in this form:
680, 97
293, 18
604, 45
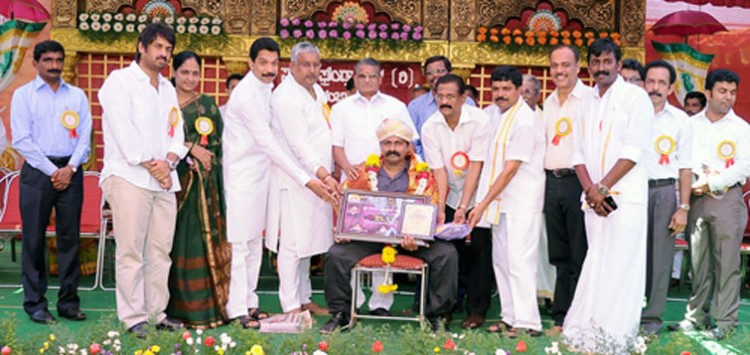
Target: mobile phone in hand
611, 202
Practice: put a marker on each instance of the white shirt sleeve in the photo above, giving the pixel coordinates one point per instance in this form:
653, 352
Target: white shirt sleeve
685, 145
431, 146
638, 131
338, 123
481, 140
116, 105
290, 117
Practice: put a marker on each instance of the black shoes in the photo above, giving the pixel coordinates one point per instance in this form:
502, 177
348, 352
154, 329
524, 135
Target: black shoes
139, 330
438, 324
42, 316
170, 325
247, 322
380, 312
339, 320
76, 315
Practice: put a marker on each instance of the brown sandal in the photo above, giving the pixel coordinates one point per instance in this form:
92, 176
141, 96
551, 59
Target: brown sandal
257, 314
473, 322
499, 327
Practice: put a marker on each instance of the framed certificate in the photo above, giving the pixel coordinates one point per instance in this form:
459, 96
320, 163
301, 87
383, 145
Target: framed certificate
382, 217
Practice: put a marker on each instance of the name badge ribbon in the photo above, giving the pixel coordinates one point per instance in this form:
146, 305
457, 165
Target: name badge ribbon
563, 127
726, 150
460, 162
664, 146
204, 126
70, 120
174, 119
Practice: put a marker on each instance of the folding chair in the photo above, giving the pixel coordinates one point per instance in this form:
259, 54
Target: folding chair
10, 221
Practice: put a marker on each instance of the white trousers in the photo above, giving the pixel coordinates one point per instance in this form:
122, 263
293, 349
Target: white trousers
294, 275
515, 254
246, 261
377, 299
546, 274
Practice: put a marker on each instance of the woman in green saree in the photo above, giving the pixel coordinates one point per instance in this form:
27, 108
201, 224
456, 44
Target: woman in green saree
201, 255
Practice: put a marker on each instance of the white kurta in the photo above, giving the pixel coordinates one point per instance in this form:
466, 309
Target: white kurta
300, 124
606, 308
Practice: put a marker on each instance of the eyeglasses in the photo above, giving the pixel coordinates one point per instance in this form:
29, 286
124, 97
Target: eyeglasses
438, 71
633, 80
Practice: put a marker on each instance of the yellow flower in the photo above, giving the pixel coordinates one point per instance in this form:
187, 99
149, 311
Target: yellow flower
436, 349
256, 350
138, 352
220, 351
423, 167
46, 345
52, 337
389, 254
387, 288
156, 348
41, 351
148, 352
372, 160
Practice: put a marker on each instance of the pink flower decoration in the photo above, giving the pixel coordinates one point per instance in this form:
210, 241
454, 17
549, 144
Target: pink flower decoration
383, 27
284, 22
322, 34
333, 34
416, 36
372, 35
383, 35
395, 36
347, 35
284, 34
310, 34
308, 24
295, 22
360, 34
297, 33
322, 24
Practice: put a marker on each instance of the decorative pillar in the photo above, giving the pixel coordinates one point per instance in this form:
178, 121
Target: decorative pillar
69, 73
236, 65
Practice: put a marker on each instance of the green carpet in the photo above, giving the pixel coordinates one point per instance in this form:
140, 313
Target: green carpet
100, 308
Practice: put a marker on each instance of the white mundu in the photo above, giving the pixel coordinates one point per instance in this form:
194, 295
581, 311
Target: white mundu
249, 150
606, 308
672, 144
516, 215
299, 222
355, 119
441, 144
558, 121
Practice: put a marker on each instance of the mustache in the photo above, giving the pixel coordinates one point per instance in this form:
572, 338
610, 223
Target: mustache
601, 72
54, 71
654, 93
268, 75
501, 98
392, 152
446, 106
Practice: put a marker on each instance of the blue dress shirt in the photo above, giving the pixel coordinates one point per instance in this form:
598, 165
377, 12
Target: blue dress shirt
420, 110
37, 128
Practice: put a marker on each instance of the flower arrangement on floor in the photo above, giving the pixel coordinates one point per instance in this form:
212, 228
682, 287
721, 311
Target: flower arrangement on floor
107, 27
524, 39
349, 36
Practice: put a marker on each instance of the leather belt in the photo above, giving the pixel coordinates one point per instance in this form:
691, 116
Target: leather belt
661, 182
560, 173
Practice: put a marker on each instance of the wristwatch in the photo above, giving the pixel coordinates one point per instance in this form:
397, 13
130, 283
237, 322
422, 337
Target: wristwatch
604, 190
685, 207
173, 164
73, 169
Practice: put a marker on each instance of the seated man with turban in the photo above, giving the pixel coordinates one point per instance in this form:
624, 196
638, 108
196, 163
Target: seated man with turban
398, 173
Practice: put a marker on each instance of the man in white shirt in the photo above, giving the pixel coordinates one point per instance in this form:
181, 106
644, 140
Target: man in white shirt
250, 150
354, 121
232, 81
615, 131
299, 223
511, 195
718, 214
531, 91
667, 162
143, 142
566, 234
455, 141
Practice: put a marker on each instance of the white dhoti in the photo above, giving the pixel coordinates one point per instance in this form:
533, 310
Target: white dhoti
546, 274
606, 309
515, 250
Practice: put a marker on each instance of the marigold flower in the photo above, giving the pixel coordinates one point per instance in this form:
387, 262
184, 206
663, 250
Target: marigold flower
591, 40
554, 33
614, 36
482, 30
505, 31
494, 31
518, 40
494, 39
618, 43
603, 34
565, 33
529, 34
566, 41
579, 42
541, 34
481, 38
506, 39
530, 41
542, 40
577, 34
589, 35
553, 41
517, 32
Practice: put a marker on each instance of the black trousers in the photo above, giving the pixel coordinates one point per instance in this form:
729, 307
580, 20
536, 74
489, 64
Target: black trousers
37, 197
441, 286
566, 238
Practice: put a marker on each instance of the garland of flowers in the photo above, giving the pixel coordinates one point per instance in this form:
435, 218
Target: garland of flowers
197, 31
350, 36
523, 39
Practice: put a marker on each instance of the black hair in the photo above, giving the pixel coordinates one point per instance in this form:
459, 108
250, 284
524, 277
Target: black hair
452, 78
182, 57
701, 97
604, 45
473, 90
46, 47
660, 64
231, 77
437, 58
634, 64
576, 54
263, 43
350, 84
149, 35
507, 73
724, 75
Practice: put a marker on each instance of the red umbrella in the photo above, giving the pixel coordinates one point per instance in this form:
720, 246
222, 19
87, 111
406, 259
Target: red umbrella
725, 3
27, 10
687, 22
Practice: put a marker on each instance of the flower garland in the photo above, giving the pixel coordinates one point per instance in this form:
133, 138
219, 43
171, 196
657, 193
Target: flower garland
523, 39
372, 166
349, 36
423, 177
199, 31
